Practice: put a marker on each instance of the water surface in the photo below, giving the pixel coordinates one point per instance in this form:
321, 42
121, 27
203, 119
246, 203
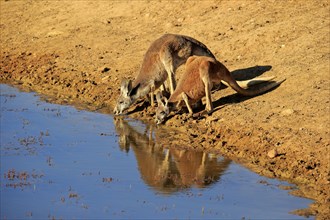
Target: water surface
59, 162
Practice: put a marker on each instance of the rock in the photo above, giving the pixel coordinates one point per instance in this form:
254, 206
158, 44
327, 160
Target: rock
105, 78
180, 20
272, 153
54, 33
287, 112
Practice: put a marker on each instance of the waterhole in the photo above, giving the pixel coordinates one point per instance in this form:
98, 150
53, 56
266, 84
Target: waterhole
58, 162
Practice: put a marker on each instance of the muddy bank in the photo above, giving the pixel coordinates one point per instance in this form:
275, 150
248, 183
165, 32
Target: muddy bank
78, 52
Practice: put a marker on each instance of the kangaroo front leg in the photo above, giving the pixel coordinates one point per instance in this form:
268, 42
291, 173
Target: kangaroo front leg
163, 87
152, 99
152, 91
185, 99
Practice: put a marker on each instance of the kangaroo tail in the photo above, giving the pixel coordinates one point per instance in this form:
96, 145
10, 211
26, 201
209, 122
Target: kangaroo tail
251, 82
256, 91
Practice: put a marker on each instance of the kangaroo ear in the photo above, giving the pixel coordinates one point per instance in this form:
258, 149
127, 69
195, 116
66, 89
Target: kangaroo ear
125, 87
134, 90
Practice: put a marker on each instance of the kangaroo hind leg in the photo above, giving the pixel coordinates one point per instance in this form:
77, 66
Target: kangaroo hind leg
166, 57
205, 76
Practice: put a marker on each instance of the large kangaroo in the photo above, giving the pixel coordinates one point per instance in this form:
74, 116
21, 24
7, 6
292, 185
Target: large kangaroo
160, 62
200, 75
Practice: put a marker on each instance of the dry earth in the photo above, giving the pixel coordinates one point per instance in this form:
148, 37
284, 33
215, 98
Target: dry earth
77, 52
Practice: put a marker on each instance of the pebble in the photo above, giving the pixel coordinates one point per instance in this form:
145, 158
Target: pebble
105, 78
287, 112
272, 153
169, 25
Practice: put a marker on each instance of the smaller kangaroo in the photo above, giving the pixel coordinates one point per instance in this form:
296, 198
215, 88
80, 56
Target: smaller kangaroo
160, 62
200, 75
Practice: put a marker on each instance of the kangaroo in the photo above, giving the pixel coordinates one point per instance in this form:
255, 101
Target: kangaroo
160, 62
200, 75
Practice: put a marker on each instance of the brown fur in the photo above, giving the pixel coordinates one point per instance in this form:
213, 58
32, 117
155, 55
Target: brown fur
201, 74
160, 62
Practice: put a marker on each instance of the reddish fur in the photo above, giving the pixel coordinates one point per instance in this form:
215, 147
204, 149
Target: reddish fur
199, 67
183, 45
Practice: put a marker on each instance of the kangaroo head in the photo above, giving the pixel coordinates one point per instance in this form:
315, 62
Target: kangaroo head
126, 97
162, 110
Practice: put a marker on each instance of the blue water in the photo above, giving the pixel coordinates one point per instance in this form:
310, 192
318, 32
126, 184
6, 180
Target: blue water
59, 162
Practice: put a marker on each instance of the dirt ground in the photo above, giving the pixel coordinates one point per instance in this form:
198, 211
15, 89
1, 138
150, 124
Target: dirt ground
77, 52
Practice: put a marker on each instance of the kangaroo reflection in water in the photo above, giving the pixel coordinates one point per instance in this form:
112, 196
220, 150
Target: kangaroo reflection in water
167, 170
